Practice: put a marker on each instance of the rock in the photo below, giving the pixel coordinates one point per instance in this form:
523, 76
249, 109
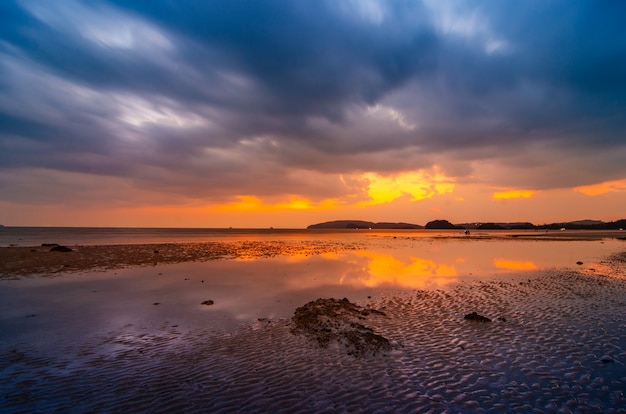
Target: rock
49, 244
208, 302
476, 317
579, 263
328, 320
62, 249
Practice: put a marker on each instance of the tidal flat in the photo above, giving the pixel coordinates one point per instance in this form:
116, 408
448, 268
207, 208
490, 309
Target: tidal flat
210, 327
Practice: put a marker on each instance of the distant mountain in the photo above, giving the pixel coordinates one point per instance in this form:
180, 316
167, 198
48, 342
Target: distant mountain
585, 225
569, 225
360, 224
441, 225
445, 224
585, 222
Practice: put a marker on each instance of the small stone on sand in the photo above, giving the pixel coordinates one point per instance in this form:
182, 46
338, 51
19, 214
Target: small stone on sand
62, 249
476, 317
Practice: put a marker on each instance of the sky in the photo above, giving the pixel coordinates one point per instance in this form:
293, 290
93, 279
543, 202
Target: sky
248, 113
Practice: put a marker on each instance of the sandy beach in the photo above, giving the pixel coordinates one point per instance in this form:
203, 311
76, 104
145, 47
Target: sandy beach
555, 342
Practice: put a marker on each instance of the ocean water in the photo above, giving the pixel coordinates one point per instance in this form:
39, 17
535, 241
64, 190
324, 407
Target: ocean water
35, 236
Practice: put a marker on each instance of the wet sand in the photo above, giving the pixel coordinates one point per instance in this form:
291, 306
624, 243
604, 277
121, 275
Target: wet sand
18, 261
556, 343
26, 261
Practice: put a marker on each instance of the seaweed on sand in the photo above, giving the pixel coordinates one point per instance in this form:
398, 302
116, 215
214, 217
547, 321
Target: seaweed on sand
327, 320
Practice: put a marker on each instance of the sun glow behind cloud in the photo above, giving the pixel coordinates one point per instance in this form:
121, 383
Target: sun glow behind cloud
618, 186
501, 195
251, 203
361, 190
419, 185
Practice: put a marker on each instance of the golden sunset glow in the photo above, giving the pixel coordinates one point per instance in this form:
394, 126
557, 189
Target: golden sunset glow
617, 186
377, 189
417, 273
419, 185
250, 203
514, 265
513, 194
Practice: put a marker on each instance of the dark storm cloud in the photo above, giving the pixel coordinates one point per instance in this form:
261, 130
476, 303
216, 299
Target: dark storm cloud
236, 94
309, 55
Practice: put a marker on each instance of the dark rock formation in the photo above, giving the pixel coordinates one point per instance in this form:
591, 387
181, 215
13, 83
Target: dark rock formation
476, 317
327, 320
208, 302
61, 249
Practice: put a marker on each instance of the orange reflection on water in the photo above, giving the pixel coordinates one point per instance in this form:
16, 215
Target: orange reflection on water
514, 264
416, 273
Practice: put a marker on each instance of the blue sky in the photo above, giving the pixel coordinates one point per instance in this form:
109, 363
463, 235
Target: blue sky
291, 112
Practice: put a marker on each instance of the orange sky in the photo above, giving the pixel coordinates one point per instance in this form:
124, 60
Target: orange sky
408, 197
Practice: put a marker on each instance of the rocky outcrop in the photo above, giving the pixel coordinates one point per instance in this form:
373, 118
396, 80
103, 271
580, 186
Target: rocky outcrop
328, 320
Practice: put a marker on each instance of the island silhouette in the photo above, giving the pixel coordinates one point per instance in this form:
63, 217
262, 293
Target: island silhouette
441, 224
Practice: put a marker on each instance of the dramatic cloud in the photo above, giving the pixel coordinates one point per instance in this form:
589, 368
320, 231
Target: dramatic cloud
244, 103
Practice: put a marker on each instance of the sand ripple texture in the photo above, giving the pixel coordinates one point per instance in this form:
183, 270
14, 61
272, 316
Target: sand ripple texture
556, 343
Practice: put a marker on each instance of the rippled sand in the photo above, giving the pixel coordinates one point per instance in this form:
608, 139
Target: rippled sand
556, 343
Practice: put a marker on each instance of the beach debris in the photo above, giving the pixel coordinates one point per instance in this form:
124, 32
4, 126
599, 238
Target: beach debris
328, 320
476, 317
62, 249
208, 302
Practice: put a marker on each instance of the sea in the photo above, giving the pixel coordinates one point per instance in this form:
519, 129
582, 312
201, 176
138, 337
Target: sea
34, 236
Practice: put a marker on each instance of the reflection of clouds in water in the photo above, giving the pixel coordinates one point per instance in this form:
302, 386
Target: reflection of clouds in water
402, 270
501, 263
375, 269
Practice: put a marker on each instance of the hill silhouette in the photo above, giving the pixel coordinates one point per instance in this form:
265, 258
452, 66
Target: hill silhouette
360, 224
445, 225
